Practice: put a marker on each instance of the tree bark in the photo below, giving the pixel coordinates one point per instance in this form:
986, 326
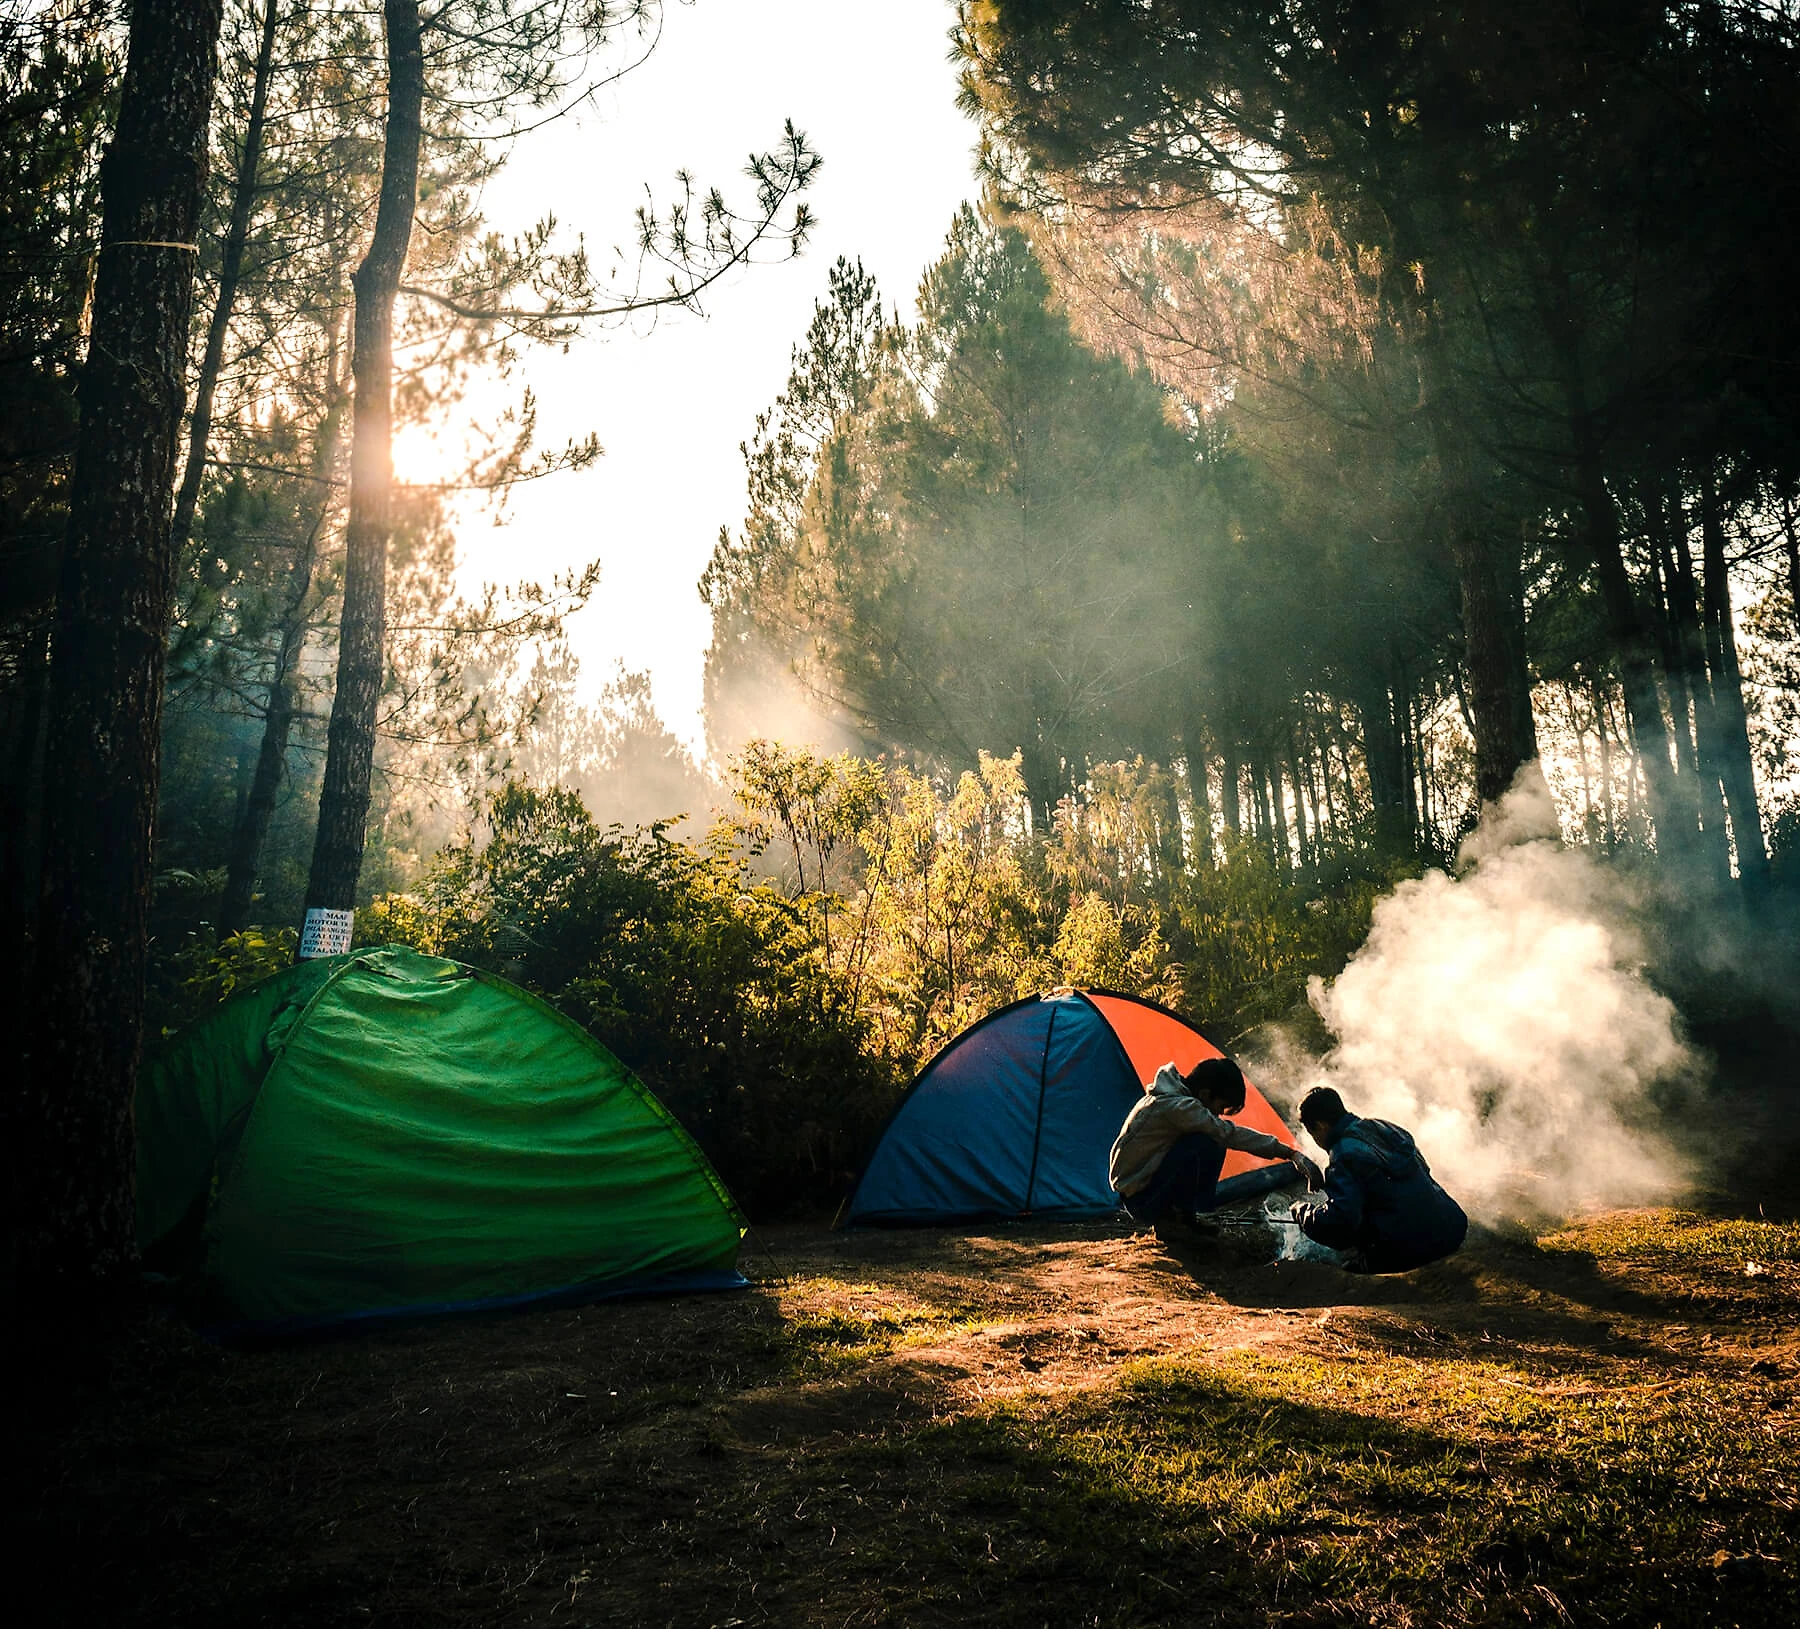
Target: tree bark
1735, 768
1303, 844
1606, 774
1790, 532
1677, 674
350, 742
1230, 797
1333, 824
1405, 715
73, 1150
20, 795
231, 267
1690, 688
1675, 814
1493, 618
1499, 685
1384, 754
1193, 748
1268, 807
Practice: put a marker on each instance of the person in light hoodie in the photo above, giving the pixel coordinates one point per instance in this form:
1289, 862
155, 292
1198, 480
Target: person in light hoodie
1382, 1206
1165, 1161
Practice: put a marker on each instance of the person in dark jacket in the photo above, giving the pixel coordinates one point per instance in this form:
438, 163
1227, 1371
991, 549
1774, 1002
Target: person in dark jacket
1381, 1205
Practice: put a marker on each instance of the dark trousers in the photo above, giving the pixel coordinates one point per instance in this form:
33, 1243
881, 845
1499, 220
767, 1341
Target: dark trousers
1185, 1182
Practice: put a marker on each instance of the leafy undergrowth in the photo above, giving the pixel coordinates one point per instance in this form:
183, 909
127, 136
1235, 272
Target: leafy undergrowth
1033, 1426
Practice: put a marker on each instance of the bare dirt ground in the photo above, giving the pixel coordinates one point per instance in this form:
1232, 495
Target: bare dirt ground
1069, 1424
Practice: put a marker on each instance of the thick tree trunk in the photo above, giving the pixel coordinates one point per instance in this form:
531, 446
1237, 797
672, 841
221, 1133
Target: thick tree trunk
1735, 769
1499, 684
350, 742
1493, 618
231, 268
73, 1149
1384, 755
20, 795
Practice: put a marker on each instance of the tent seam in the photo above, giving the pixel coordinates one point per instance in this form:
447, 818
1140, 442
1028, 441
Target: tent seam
912, 1090
1037, 1130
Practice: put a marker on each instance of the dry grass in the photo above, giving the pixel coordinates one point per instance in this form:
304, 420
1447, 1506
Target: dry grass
1034, 1426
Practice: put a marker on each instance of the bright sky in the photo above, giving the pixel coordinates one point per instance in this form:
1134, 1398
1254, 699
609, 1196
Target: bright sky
872, 87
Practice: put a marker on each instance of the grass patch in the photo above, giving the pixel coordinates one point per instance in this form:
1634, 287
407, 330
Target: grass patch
827, 1323
1679, 1235
709, 1458
1447, 1490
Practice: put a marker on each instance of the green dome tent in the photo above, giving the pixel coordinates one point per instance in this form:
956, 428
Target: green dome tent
388, 1133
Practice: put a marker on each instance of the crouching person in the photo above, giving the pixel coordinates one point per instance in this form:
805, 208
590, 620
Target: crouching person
1165, 1162
1381, 1205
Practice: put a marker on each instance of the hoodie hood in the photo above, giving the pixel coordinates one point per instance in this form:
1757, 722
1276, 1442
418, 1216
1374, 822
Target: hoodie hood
1386, 1145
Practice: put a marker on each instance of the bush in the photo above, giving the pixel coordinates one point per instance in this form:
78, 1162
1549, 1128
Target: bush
711, 987
778, 984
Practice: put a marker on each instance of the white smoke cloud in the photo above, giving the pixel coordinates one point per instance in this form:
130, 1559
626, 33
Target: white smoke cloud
1502, 1017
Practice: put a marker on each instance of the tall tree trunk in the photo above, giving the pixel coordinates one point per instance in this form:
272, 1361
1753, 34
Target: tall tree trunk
1037, 766
1342, 734
1790, 532
1676, 674
1690, 685
1409, 757
252, 831
1671, 808
1332, 822
1735, 769
1606, 775
350, 741
1193, 748
1499, 683
1268, 807
19, 795
1168, 827
73, 1149
1294, 760
231, 267
1487, 572
1384, 755
1230, 796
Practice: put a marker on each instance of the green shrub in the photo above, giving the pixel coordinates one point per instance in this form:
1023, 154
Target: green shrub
712, 987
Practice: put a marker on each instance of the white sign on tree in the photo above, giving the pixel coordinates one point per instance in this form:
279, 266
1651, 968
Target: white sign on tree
326, 933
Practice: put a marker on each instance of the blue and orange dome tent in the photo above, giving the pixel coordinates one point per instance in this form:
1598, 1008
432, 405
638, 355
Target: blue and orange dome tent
1016, 1116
